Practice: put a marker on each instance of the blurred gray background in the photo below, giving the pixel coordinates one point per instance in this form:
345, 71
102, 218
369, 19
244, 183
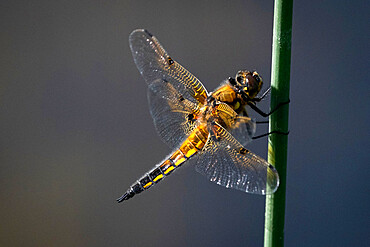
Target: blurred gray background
76, 130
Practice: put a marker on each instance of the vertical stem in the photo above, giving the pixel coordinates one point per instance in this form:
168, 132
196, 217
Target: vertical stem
277, 147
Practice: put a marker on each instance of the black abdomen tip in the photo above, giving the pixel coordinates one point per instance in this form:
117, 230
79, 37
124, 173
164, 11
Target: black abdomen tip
125, 196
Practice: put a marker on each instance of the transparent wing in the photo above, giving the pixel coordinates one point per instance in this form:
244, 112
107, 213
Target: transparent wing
170, 112
244, 129
240, 126
226, 162
154, 64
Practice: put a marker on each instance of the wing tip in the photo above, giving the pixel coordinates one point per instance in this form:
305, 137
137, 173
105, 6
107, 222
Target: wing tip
141, 30
273, 180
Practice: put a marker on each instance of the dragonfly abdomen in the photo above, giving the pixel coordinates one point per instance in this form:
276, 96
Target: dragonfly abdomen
191, 146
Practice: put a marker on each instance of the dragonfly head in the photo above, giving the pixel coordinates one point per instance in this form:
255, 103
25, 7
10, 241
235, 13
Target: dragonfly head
249, 83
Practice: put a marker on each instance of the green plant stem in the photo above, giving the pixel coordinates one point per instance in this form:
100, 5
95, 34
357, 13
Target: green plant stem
277, 147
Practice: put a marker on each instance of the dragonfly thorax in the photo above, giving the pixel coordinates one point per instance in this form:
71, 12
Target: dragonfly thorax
239, 91
217, 111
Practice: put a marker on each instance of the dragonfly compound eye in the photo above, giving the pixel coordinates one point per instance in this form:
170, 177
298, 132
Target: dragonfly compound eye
256, 77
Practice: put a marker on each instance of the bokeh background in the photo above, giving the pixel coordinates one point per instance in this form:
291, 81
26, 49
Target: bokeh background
76, 130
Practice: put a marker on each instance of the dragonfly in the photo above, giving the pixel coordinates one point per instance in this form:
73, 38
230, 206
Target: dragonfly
209, 129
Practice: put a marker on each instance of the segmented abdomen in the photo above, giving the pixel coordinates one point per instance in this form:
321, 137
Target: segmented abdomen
191, 146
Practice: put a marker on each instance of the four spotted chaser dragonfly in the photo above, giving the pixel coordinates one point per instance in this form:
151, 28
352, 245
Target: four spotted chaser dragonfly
209, 128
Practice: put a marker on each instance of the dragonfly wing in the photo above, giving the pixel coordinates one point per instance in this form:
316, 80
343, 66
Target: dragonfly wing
170, 112
154, 64
241, 127
244, 129
226, 162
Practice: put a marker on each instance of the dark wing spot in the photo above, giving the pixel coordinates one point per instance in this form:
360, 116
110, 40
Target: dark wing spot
181, 98
170, 61
243, 151
147, 32
190, 117
272, 167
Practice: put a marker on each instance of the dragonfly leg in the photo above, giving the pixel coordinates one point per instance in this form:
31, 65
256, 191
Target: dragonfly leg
258, 99
263, 114
272, 132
